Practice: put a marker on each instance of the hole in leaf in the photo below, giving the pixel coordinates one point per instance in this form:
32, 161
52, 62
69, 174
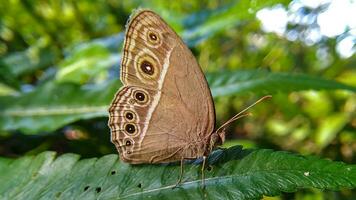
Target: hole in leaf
139, 185
98, 189
113, 172
58, 194
209, 168
34, 174
86, 188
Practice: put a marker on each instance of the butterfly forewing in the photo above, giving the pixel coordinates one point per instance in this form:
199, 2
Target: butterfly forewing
177, 116
144, 50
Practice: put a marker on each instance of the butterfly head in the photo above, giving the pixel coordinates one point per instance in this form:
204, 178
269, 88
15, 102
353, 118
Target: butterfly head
217, 138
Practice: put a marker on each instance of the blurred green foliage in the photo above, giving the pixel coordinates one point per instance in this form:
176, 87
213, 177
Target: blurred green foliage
59, 69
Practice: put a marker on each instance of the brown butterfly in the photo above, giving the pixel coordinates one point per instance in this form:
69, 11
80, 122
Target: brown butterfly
164, 112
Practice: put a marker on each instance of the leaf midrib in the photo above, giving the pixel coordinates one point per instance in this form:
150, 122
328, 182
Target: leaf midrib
212, 179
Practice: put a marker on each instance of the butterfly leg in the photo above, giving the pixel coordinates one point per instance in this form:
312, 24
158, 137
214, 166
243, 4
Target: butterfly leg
180, 174
202, 172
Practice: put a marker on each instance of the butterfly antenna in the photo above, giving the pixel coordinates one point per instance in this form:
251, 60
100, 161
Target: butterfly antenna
242, 113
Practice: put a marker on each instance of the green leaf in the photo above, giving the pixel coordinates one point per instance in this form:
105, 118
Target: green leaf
260, 81
25, 62
234, 174
86, 63
329, 128
6, 90
54, 105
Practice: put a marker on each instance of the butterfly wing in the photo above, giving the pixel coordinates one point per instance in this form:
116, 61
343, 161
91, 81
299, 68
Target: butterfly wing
164, 111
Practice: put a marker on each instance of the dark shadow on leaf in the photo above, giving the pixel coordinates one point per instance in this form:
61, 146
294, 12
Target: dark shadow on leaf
222, 155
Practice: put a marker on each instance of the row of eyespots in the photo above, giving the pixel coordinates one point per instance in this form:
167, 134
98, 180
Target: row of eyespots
140, 97
130, 116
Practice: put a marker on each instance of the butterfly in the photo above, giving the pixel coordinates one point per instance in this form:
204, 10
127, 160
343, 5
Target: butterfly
164, 112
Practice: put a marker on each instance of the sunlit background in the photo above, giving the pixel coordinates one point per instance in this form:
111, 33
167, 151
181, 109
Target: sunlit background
59, 64
337, 18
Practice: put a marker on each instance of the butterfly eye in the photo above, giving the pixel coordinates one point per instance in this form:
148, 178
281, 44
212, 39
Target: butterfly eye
130, 128
147, 67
